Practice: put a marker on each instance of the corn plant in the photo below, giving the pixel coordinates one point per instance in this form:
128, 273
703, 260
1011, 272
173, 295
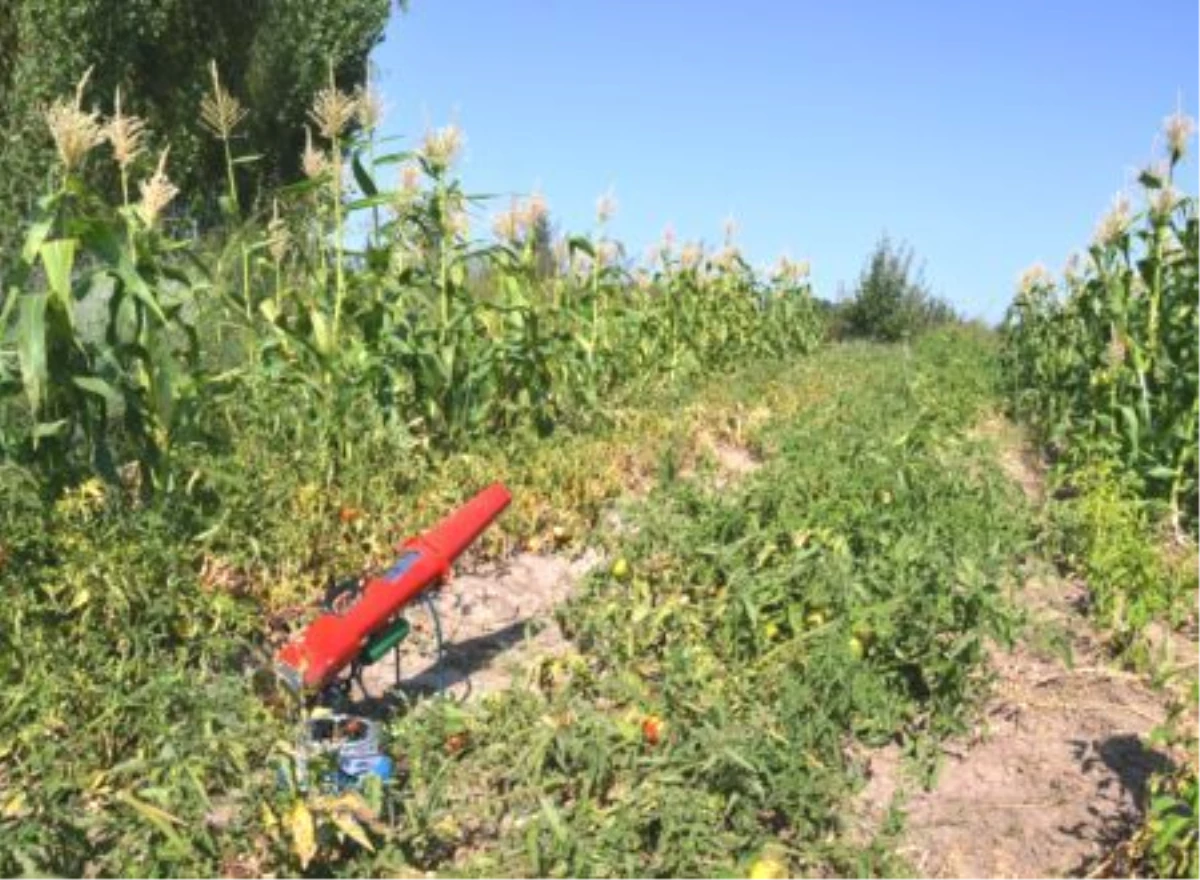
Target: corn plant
470, 336
79, 256
449, 336
1105, 364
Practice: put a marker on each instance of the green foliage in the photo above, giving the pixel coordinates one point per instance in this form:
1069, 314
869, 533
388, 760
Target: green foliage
1172, 831
232, 393
128, 724
1168, 842
1104, 370
1105, 366
130, 366
273, 375
449, 338
272, 56
135, 630
891, 301
1106, 533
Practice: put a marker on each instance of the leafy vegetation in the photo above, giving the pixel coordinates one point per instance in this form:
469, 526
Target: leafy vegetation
273, 56
1106, 368
1105, 374
891, 301
201, 423
758, 632
111, 312
155, 385
811, 563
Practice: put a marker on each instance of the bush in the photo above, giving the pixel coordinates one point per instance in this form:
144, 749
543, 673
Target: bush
891, 302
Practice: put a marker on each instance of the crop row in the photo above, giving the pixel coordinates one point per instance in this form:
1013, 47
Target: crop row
123, 320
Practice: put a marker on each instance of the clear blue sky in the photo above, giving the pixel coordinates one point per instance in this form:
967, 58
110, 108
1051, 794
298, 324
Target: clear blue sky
988, 135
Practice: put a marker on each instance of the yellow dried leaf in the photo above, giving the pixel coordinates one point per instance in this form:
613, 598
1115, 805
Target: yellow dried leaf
768, 869
350, 802
14, 806
350, 827
304, 833
447, 828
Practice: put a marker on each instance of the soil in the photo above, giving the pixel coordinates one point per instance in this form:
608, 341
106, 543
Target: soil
735, 460
1056, 770
496, 620
1055, 773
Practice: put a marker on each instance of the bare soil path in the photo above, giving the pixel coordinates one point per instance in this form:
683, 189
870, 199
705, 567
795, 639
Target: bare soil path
1056, 770
1055, 773
496, 621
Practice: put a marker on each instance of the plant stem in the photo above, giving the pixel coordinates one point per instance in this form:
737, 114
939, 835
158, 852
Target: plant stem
338, 238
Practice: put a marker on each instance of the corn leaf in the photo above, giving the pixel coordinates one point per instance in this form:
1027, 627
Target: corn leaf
322, 339
58, 258
34, 238
97, 386
365, 182
31, 347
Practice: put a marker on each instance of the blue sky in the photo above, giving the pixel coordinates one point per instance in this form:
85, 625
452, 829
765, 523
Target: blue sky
987, 135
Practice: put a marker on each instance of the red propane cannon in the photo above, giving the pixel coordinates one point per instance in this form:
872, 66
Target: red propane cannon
371, 625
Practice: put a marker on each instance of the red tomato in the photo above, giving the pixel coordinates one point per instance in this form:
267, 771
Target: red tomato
653, 729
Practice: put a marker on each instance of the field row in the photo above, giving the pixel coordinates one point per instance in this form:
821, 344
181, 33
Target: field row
746, 639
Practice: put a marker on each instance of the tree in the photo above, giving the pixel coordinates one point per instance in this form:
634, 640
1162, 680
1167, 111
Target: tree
891, 300
273, 55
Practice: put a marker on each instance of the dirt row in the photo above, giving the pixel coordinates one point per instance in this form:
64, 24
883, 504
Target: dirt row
1056, 770
495, 622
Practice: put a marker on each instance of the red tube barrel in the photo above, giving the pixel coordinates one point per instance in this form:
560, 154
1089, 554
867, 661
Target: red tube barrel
332, 641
